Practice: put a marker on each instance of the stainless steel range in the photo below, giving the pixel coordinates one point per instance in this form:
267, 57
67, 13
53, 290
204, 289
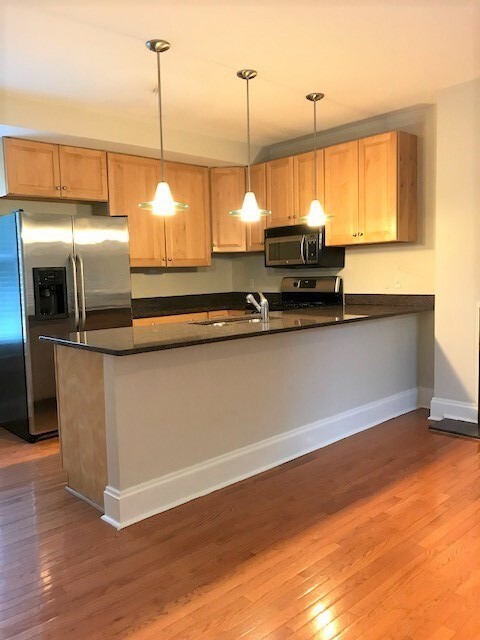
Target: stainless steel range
311, 293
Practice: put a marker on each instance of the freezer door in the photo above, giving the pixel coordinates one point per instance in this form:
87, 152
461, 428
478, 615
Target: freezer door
13, 386
45, 249
103, 265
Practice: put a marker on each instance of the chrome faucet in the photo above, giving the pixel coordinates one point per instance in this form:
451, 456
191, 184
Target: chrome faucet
262, 308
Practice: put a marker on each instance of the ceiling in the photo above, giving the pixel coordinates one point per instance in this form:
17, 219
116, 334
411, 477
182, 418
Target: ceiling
368, 57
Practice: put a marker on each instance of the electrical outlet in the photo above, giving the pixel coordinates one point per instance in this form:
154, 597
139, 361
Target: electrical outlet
251, 283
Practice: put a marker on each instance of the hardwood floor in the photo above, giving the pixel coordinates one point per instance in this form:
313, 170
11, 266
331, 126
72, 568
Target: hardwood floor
375, 537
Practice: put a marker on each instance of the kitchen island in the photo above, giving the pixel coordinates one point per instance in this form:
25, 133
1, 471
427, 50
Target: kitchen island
151, 417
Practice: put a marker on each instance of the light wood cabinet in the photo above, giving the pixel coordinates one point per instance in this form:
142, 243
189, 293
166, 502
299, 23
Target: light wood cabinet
132, 180
341, 193
179, 317
256, 230
387, 210
83, 173
227, 190
31, 169
280, 197
188, 232
303, 180
371, 190
39, 169
188, 317
155, 241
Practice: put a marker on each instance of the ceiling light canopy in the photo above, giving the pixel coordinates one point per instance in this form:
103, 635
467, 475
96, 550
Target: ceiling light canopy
316, 216
163, 203
250, 211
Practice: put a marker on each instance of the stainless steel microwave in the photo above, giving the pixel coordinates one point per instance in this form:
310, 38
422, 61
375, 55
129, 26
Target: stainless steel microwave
301, 246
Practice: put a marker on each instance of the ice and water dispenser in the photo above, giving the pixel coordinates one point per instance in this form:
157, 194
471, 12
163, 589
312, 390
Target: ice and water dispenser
50, 289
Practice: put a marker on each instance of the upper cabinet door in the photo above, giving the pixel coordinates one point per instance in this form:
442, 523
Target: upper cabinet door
256, 230
227, 190
341, 193
280, 192
188, 232
83, 173
304, 175
377, 210
32, 168
132, 180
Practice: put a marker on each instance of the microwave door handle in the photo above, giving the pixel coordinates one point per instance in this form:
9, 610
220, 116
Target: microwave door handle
302, 249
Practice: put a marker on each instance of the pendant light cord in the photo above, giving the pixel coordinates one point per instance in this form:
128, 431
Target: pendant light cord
248, 137
160, 115
315, 148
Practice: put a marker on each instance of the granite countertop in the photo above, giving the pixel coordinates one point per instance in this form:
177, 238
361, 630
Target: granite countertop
131, 340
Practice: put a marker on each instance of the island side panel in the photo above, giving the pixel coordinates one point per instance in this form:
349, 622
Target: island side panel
81, 417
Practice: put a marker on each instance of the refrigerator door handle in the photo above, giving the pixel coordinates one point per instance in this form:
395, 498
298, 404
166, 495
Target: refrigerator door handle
73, 262
83, 308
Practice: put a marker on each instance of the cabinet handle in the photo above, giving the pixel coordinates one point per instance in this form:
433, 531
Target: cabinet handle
64, 188
360, 234
214, 244
164, 259
289, 217
58, 188
354, 235
169, 259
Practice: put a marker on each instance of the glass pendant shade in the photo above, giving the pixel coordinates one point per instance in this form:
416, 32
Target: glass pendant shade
316, 216
250, 211
163, 203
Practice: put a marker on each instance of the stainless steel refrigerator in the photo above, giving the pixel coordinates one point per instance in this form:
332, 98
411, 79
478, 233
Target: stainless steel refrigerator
58, 274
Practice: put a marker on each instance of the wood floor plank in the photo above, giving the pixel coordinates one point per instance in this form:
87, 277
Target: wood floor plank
372, 538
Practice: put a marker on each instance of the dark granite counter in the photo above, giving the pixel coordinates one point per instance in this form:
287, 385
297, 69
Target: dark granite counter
174, 305
131, 340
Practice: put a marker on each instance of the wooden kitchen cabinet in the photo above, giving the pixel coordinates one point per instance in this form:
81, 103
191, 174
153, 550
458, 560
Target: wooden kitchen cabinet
280, 196
371, 190
187, 233
387, 208
83, 174
341, 193
180, 241
188, 317
131, 180
39, 169
256, 230
303, 180
31, 169
227, 190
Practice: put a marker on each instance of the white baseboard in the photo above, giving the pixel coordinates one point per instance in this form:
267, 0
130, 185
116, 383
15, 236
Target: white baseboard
425, 396
123, 508
441, 408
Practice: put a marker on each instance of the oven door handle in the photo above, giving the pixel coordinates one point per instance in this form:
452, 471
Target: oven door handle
302, 249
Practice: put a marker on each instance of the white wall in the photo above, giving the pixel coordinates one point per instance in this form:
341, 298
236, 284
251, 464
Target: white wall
374, 269
179, 282
458, 253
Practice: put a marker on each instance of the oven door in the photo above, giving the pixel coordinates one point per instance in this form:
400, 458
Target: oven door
286, 251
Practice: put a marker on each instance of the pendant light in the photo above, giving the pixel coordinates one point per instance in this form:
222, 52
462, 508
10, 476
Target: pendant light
316, 216
163, 203
250, 211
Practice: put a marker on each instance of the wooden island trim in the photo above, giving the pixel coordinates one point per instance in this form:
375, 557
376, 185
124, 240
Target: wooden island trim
79, 376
